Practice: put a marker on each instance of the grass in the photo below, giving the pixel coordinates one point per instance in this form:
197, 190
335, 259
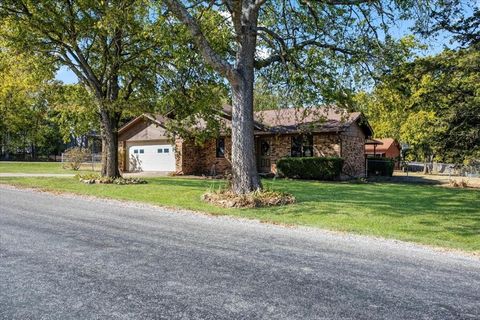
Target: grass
424, 214
38, 167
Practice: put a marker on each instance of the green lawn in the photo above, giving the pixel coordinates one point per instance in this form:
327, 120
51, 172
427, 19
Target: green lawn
38, 167
425, 214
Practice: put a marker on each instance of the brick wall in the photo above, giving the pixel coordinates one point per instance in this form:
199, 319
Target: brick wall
201, 159
208, 161
324, 145
192, 159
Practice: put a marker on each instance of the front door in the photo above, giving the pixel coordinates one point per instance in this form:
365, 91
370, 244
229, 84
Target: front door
263, 155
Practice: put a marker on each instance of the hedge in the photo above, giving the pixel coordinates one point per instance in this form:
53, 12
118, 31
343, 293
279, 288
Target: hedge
311, 168
380, 167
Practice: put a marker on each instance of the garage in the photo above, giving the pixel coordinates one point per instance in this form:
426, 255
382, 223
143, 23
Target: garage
144, 145
155, 157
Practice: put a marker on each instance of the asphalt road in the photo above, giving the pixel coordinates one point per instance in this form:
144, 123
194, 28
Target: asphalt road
64, 257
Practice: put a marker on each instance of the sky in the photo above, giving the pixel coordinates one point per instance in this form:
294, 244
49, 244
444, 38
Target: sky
66, 76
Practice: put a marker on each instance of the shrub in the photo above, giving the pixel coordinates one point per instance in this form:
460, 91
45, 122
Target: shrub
312, 168
380, 167
73, 157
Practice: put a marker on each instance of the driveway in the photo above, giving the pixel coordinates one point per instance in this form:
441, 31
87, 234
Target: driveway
66, 257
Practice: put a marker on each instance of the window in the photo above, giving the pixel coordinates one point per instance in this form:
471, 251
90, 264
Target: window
264, 148
220, 150
166, 150
302, 146
159, 150
142, 151
135, 151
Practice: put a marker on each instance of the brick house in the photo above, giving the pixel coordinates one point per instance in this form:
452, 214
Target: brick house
145, 144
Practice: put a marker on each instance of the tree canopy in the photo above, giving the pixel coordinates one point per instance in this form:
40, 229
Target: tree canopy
311, 51
109, 45
431, 102
25, 124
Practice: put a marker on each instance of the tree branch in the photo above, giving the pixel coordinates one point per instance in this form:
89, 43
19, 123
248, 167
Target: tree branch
209, 54
285, 52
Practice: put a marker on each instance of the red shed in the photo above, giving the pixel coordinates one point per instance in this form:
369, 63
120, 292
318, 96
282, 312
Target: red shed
389, 148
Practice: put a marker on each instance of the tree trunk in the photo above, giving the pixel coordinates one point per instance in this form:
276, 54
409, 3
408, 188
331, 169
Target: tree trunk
245, 175
425, 167
244, 167
109, 128
241, 79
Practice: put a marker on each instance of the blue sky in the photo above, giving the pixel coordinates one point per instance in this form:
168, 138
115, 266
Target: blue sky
66, 75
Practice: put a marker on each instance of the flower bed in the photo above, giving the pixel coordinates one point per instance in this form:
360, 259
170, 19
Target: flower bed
97, 179
228, 199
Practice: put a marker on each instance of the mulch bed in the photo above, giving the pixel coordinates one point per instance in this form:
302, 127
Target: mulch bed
228, 199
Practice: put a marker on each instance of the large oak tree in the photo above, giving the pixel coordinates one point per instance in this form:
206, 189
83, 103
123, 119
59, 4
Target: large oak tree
315, 40
107, 44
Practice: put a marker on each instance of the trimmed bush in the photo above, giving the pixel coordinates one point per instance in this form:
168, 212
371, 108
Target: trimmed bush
380, 167
311, 168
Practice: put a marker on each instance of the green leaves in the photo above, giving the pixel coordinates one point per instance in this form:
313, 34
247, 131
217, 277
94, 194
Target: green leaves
25, 123
431, 103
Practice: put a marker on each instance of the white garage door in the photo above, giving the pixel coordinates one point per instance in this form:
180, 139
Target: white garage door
152, 158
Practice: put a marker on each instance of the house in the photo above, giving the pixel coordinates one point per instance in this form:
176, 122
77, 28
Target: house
385, 148
145, 143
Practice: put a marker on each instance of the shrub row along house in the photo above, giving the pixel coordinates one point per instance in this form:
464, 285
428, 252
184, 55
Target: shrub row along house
146, 145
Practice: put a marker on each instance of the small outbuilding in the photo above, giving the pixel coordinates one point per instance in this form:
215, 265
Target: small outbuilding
383, 148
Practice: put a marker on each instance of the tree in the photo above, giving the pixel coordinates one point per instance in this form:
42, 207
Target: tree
25, 125
107, 44
420, 130
445, 87
71, 107
313, 42
459, 18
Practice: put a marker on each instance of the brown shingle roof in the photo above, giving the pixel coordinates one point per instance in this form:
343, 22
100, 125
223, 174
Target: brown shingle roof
288, 120
322, 119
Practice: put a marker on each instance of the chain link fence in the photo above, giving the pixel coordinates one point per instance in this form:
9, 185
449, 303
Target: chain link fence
447, 169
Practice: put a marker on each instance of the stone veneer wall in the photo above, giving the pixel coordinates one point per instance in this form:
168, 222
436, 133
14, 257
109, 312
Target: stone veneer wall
353, 152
